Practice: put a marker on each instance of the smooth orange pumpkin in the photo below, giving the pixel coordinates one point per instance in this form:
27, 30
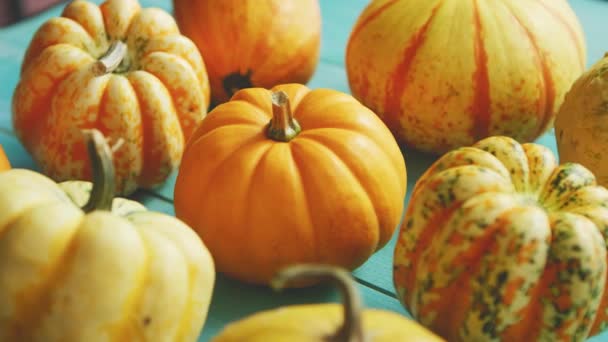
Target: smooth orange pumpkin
4, 162
444, 74
121, 69
289, 175
253, 43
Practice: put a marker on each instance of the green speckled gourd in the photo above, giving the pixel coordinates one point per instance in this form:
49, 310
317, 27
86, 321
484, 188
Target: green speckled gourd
500, 243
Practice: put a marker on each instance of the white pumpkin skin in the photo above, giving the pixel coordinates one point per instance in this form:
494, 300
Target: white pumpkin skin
66, 275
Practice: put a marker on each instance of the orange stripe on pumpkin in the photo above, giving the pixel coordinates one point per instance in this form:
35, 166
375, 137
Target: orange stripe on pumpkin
531, 321
451, 315
397, 81
546, 100
406, 278
480, 108
568, 28
364, 21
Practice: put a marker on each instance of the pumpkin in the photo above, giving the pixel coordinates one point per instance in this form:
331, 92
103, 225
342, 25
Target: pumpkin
581, 125
288, 175
500, 243
4, 162
324, 322
111, 271
445, 74
121, 69
253, 43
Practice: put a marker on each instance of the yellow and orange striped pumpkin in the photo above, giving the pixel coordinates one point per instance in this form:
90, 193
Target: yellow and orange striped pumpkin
499, 242
116, 67
444, 74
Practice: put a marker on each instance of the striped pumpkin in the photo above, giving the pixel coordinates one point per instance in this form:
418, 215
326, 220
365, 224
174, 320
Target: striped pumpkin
499, 242
444, 74
117, 67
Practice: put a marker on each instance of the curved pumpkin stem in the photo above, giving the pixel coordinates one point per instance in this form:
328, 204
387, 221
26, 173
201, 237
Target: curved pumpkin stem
351, 329
283, 126
100, 155
111, 60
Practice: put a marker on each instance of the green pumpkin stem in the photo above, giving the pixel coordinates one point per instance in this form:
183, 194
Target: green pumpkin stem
100, 155
351, 329
283, 126
112, 59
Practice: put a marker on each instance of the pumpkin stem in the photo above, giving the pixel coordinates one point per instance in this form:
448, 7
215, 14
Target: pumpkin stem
111, 60
351, 329
283, 126
100, 155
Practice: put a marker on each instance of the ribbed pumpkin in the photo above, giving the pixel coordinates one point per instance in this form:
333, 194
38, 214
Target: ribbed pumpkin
4, 162
253, 43
499, 242
111, 271
290, 175
581, 125
348, 322
124, 70
445, 74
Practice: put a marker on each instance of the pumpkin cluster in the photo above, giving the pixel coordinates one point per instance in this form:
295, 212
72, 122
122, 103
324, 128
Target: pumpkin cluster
283, 185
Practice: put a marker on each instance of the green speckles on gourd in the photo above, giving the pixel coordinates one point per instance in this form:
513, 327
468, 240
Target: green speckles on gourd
566, 179
601, 71
512, 155
575, 293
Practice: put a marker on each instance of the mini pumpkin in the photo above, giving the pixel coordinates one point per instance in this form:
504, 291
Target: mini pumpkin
121, 69
500, 243
253, 43
288, 175
581, 125
445, 74
4, 162
110, 271
347, 322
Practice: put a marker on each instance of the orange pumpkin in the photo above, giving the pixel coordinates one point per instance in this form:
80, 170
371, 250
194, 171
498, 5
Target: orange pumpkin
253, 43
265, 188
444, 74
119, 68
4, 162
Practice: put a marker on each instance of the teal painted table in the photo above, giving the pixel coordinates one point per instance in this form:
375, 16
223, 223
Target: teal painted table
233, 300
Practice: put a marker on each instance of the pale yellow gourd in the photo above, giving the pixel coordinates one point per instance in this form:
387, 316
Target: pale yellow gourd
581, 125
111, 271
330, 322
